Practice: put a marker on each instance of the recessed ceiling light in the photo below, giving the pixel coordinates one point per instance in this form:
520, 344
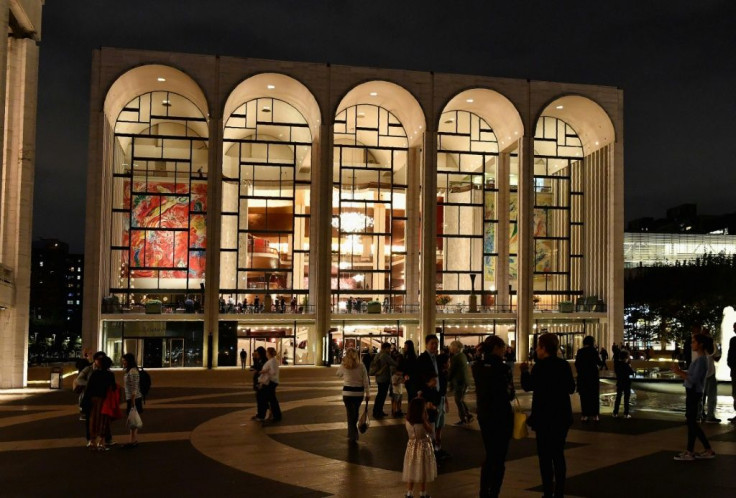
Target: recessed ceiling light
271, 87
166, 103
266, 109
560, 107
373, 94
361, 114
516, 133
160, 78
469, 101
596, 143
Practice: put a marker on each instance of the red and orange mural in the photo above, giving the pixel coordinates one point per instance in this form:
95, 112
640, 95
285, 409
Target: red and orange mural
168, 229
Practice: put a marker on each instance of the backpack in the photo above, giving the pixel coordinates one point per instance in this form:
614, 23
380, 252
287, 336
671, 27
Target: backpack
144, 382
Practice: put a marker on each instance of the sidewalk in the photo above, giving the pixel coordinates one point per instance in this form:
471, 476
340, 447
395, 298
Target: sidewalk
198, 440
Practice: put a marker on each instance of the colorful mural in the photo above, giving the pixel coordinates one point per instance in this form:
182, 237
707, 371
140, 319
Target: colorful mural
155, 207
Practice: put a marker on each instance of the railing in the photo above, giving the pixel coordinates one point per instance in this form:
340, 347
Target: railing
251, 309
466, 308
363, 308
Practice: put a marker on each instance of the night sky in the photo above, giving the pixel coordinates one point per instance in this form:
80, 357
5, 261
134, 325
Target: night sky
674, 59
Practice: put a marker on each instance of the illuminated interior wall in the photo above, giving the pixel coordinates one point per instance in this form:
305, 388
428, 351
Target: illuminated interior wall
369, 206
266, 174
467, 198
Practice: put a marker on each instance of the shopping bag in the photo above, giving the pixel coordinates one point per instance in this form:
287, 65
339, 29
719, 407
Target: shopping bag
520, 429
364, 421
134, 419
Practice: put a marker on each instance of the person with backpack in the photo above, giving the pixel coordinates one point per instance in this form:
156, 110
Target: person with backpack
133, 396
381, 368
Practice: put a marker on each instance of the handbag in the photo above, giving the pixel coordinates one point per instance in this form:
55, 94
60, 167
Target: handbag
134, 419
520, 429
364, 421
111, 405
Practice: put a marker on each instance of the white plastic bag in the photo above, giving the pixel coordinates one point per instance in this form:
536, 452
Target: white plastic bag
134, 420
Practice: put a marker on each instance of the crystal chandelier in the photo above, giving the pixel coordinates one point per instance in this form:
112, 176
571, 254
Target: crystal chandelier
352, 222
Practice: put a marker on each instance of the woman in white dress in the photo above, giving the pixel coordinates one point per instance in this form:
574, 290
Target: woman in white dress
420, 466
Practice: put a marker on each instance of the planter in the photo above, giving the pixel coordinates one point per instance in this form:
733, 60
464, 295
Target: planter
373, 307
153, 308
565, 307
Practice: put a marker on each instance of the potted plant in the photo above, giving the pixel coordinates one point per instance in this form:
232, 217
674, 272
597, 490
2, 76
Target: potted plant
153, 306
442, 299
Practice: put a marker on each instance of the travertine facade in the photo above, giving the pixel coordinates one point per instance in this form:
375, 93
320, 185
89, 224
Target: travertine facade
332, 186
21, 20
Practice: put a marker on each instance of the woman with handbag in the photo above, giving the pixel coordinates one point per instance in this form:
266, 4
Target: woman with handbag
100, 382
494, 388
133, 397
355, 388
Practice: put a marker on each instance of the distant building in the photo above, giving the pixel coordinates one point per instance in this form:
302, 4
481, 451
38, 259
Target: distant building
19, 50
649, 249
685, 219
57, 279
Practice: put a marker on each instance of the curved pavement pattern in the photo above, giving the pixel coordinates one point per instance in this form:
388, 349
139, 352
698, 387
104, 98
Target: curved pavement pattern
198, 439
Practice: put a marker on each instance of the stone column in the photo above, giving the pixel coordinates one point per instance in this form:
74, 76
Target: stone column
615, 310
214, 231
429, 234
411, 237
320, 241
19, 152
526, 247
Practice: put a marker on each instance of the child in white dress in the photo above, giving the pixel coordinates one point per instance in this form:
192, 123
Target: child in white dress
419, 462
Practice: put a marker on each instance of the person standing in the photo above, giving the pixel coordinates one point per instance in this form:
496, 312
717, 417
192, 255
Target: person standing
494, 388
552, 383
355, 387
458, 380
243, 356
694, 378
100, 382
587, 364
133, 396
623, 370
710, 390
604, 359
420, 466
731, 361
381, 368
408, 368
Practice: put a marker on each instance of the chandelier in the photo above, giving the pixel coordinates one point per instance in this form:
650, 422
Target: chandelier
352, 222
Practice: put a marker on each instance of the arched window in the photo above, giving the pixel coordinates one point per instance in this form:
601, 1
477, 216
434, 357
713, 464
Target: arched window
158, 233
369, 206
467, 206
266, 174
558, 217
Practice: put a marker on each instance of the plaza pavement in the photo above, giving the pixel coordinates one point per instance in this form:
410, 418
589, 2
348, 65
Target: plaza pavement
198, 440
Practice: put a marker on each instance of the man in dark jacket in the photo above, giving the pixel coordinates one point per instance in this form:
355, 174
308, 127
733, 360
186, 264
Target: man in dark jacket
552, 382
494, 388
587, 364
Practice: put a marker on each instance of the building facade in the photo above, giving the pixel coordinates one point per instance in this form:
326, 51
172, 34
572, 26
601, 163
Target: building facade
57, 279
18, 87
650, 249
237, 202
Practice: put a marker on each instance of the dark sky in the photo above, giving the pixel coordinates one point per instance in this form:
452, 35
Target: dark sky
675, 60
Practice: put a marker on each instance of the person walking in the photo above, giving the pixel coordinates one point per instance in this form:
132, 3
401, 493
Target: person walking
587, 364
355, 388
268, 381
381, 368
243, 356
623, 370
133, 396
494, 388
604, 359
420, 466
694, 378
552, 383
259, 359
458, 380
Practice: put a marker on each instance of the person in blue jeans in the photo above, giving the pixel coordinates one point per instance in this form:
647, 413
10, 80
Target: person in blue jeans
694, 378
